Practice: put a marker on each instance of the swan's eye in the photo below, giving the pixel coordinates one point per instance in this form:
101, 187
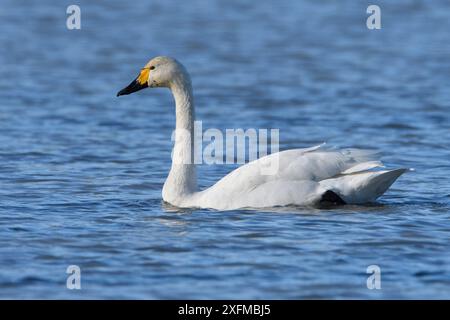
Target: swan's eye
152, 68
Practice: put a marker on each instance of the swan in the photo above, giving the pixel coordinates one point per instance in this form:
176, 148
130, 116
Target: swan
305, 177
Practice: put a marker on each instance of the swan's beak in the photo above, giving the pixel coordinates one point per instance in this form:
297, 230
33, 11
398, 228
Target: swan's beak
132, 87
137, 84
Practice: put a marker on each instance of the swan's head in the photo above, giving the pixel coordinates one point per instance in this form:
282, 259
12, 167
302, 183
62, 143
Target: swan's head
158, 72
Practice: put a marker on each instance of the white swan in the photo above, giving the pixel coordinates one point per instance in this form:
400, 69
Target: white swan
305, 176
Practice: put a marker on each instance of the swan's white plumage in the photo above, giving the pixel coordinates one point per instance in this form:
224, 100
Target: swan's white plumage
302, 178
304, 175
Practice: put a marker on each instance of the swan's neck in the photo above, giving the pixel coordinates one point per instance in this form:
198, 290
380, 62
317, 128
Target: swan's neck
182, 179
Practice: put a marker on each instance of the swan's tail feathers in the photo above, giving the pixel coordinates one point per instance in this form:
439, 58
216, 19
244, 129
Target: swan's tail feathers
382, 181
362, 187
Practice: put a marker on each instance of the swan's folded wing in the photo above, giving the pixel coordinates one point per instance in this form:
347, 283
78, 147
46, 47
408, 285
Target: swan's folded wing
363, 166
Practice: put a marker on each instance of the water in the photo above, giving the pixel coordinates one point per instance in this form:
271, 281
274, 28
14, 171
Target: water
81, 171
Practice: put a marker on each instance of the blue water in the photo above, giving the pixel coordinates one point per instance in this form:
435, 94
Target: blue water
81, 171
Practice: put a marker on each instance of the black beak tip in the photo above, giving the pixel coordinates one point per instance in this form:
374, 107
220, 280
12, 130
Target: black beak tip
132, 87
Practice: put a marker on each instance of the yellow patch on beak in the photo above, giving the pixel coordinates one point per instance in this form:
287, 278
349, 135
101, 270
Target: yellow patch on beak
143, 76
